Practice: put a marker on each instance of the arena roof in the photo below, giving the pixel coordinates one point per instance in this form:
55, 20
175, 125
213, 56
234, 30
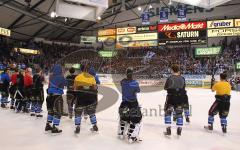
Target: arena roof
27, 21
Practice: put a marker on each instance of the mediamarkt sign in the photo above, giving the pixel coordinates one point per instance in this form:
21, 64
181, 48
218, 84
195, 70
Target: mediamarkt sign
182, 26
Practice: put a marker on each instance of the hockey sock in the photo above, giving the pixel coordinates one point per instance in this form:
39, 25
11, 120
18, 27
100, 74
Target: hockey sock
12, 102
33, 107
134, 130
187, 113
167, 119
180, 121
78, 121
50, 119
38, 108
122, 127
56, 121
210, 120
223, 121
93, 119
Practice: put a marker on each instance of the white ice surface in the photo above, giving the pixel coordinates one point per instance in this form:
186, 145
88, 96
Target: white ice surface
22, 132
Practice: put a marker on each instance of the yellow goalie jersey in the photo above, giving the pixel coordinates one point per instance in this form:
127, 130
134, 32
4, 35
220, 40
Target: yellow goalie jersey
84, 80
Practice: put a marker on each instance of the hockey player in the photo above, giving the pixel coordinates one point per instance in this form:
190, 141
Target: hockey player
129, 110
19, 93
4, 86
55, 99
86, 98
12, 88
70, 91
38, 93
221, 104
28, 83
176, 97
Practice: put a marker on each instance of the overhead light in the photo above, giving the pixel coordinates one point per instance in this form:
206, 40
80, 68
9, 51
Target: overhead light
139, 8
99, 18
150, 6
170, 2
52, 14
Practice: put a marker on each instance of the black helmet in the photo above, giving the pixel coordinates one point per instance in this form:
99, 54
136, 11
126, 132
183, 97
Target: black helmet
129, 72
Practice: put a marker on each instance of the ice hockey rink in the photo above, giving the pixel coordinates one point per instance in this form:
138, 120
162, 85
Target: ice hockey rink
22, 132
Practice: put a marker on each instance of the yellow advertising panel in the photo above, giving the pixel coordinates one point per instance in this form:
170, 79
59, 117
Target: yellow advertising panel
5, 32
137, 37
27, 51
106, 38
237, 22
136, 44
106, 32
220, 24
224, 32
127, 30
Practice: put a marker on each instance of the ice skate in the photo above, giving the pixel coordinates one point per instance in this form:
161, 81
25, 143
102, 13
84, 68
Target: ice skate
55, 130
132, 140
167, 132
3, 105
209, 128
39, 115
77, 130
94, 128
12, 107
48, 127
187, 120
224, 129
121, 135
32, 114
179, 131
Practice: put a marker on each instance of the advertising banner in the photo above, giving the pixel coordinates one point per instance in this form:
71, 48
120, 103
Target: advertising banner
5, 32
106, 32
136, 44
209, 51
106, 38
127, 30
27, 51
181, 14
164, 15
146, 28
183, 42
238, 65
137, 37
88, 39
182, 37
182, 26
237, 22
107, 54
224, 32
183, 34
220, 24
145, 18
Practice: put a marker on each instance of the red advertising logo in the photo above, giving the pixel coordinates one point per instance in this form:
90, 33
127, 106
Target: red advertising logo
127, 30
182, 26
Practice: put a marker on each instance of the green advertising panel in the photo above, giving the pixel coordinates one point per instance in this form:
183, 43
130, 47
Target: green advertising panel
76, 66
107, 54
238, 65
209, 51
